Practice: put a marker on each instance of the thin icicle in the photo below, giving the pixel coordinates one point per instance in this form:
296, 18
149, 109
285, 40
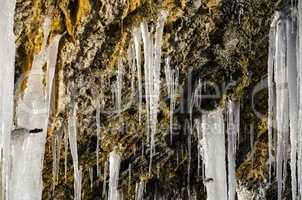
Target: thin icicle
7, 72
214, 155
129, 178
232, 133
271, 88
56, 153
65, 153
137, 44
293, 99
72, 136
98, 135
114, 170
105, 179
91, 178
172, 77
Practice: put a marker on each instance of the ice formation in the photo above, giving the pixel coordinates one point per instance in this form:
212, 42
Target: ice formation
152, 66
72, 136
114, 170
137, 37
214, 153
172, 77
7, 71
285, 105
32, 112
233, 126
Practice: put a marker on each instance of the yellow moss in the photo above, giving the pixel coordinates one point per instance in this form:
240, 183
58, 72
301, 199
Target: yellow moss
119, 49
68, 23
83, 8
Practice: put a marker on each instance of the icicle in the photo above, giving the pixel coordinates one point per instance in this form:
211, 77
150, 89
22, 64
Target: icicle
98, 135
140, 189
91, 178
65, 153
152, 53
232, 133
7, 73
172, 77
282, 105
72, 136
32, 112
129, 179
214, 155
56, 152
114, 169
271, 88
137, 44
119, 87
299, 64
105, 179
293, 98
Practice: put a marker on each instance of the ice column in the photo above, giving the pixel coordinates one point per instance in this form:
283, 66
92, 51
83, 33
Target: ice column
114, 170
214, 155
32, 112
7, 72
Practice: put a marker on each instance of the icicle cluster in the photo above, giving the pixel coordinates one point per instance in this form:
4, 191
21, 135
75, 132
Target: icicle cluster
7, 72
114, 170
285, 99
152, 55
32, 112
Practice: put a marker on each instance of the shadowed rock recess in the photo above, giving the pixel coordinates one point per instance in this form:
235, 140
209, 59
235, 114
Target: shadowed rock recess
215, 41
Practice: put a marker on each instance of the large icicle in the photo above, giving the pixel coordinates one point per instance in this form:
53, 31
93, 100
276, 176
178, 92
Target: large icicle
114, 170
299, 62
284, 98
32, 113
7, 72
293, 100
152, 53
72, 136
214, 155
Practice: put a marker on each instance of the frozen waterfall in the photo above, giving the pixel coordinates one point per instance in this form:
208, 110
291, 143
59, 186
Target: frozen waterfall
32, 113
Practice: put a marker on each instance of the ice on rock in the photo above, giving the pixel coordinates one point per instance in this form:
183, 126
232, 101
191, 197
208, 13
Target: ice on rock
214, 155
32, 112
114, 170
7, 72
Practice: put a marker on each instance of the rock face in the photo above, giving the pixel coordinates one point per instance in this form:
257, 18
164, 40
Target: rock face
215, 41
